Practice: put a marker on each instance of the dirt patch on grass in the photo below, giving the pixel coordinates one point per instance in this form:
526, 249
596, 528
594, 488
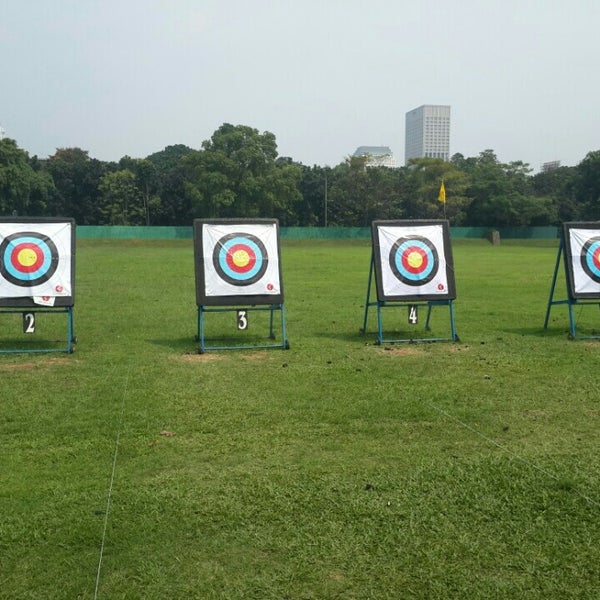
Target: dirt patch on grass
254, 356
411, 350
199, 358
419, 349
213, 356
32, 366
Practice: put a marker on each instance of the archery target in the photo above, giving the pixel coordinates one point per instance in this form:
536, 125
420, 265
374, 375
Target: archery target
237, 259
590, 258
35, 259
413, 260
28, 258
240, 259
583, 263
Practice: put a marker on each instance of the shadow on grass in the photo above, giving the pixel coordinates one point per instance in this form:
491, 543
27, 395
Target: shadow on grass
535, 331
369, 338
556, 332
182, 345
190, 345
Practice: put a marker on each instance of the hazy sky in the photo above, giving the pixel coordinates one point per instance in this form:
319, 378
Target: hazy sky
129, 77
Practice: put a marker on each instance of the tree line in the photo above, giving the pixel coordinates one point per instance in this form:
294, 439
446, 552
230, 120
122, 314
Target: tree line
238, 173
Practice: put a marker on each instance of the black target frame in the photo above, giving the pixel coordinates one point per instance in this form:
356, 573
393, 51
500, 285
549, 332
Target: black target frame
62, 305
384, 261
573, 255
242, 294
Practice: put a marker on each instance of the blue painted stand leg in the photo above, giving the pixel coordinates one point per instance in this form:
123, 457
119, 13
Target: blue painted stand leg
379, 324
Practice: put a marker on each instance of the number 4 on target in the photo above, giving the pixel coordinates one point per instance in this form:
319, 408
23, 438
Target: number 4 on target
413, 314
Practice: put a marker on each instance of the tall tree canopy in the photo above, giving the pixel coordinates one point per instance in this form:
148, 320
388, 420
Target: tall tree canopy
24, 190
77, 179
236, 173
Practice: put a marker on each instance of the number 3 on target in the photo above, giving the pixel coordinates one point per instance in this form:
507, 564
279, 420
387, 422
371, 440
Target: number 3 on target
242, 320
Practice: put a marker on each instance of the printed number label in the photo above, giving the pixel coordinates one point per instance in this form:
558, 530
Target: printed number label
242, 320
28, 322
413, 314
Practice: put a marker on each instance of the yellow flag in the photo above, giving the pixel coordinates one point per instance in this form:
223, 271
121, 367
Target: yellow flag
442, 194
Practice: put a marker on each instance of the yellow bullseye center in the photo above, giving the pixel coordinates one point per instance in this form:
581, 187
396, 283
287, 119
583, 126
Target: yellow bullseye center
415, 260
241, 258
27, 257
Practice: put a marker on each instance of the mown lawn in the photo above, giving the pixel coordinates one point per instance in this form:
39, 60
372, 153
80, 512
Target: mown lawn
138, 468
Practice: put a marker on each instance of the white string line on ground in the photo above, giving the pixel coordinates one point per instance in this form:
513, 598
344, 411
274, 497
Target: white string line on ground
510, 452
110, 487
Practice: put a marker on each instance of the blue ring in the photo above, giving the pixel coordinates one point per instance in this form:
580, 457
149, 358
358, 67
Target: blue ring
223, 258
430, 260
40, 275
33, 275
587, 258
220, 259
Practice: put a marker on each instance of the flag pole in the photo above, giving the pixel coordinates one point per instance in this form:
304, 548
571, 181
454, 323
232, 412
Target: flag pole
442, 196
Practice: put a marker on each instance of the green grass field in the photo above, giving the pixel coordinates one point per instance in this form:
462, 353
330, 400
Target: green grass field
337, 469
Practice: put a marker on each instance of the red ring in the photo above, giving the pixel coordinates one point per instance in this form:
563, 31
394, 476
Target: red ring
39, 257
237, 268
407, 252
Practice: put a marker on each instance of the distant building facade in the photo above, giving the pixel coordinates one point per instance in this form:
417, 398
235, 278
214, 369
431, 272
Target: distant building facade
427, 132
376, 156
550, 166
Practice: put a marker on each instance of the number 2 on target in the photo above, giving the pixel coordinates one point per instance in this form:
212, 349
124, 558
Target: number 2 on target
28, 322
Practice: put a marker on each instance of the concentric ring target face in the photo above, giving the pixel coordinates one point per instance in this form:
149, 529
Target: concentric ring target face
240, 258
414, 260
590, 258
28, 259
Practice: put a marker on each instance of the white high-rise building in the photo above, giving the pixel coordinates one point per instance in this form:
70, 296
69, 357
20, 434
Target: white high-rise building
427, 132
2, 132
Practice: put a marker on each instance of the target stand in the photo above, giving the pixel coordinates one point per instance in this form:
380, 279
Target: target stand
411, 268
238, 270
37, 266
579, 249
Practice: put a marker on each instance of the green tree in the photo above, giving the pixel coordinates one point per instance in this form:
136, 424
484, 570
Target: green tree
588, 184
175, 207
348, 197
426, 176
23, 189
360, 194
121, 198
560, 186
147, 180
314, 188
503, 194
236, 175
77, 179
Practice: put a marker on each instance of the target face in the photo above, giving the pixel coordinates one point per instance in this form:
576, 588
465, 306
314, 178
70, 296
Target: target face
28, 259
36, 260
582, 246
413, 260
590, 258
237, 260
240, 259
